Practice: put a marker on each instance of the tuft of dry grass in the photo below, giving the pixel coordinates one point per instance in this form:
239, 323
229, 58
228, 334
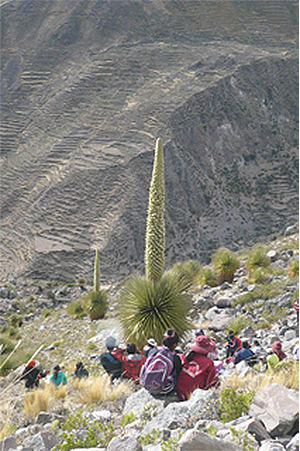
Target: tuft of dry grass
286, 374
42, 399
96, 390
6, 417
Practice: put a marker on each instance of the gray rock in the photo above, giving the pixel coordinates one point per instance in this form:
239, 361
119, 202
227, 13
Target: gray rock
140, 400
293, 445
8, 443
290, 335
4, 292
13, 294
176, 414
43, 441
277, 407
43, 418
125, 443
272, 254
251, 425
271, 445
220, 321
101, 415
194, 440
212, 313
224, 303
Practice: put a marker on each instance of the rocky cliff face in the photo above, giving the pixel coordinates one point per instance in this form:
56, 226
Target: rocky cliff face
86, 89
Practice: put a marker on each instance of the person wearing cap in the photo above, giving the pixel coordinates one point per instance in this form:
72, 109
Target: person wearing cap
150, 347
109, 362
199, 370
80, 372
277, 349
58, 377
131, 361
245, 354
32, 374
233, 345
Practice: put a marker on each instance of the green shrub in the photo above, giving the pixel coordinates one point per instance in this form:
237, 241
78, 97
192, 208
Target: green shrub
147, 308
47, 312
239, 323
150, 437
208, 276
257, 258
75, 309
234, 405
91, 346
293, 268
188, 270
127, 419
259, 275
14, 319
225, 263
6, 345
95, 304
31, 298
50, 295
81, 281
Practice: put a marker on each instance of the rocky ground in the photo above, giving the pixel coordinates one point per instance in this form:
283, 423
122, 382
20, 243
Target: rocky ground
271, 423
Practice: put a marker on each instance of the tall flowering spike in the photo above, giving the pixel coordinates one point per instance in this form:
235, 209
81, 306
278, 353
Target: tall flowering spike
97, 272
155, 230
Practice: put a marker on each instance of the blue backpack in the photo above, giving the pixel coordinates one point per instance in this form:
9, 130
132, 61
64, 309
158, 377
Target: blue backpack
157, 375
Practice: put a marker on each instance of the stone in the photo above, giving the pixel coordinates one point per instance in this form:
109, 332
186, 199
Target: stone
194, 440
271, 445
8, 443
272, 254
251, 425
224, 303
176, 414
4, 292
43, 418
293, 445
43, 441
220, 322
140, 400
290, 335
277, 407
101, 415
125, 443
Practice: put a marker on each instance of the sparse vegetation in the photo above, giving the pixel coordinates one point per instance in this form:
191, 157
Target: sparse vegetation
75, 309
208, 276
188, 270
233, 404
225, 263
257, 258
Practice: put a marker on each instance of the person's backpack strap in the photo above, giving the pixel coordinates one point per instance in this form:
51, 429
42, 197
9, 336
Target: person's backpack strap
157, 372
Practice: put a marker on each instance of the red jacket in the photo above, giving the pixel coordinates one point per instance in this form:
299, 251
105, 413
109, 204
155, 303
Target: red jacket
197, 373
131, 363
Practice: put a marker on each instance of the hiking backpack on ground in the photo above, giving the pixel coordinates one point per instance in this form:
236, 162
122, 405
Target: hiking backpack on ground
157, 375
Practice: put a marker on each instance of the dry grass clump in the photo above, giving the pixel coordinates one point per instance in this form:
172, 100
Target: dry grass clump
96, 390
42, 399
7, 409
286, 374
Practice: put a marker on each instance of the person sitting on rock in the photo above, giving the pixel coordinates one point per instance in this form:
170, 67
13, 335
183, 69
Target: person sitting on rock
272, 359
32, 374
150, 347
199, 370
256, 348
233, 345
245, 354
131, 361
80, 371
110, 363
277, 349
58, 377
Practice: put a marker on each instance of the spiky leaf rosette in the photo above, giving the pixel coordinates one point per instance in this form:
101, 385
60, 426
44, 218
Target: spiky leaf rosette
147, 308
225, 263
155, 230
97, 272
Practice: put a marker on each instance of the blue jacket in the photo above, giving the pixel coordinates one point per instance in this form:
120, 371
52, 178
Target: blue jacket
245, 354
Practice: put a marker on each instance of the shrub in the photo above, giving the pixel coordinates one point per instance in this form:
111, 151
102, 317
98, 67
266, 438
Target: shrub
293, 268
259, 275
234, 405
75, 309
239, 323
188, 270
225, 263
81, 281
257, 258
14, 319
96, 390
95, 304
208, 276
148, 308
6, 345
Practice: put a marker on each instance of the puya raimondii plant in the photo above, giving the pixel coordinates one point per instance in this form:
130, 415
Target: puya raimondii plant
95, 302
149, 305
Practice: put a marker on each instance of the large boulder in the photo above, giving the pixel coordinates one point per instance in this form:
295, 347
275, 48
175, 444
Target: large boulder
125, 443
141, 400
177, 414
43, 441
194, 440
277, 407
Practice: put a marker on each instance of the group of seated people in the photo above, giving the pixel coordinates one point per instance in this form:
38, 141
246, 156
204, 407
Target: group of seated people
166, 369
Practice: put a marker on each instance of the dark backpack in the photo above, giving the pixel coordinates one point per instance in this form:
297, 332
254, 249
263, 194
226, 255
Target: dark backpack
157, 375
110, 364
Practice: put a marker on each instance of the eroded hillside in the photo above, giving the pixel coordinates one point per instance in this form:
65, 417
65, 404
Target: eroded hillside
88, 86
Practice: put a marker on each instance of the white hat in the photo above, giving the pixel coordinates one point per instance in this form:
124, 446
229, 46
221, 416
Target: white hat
151, 342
